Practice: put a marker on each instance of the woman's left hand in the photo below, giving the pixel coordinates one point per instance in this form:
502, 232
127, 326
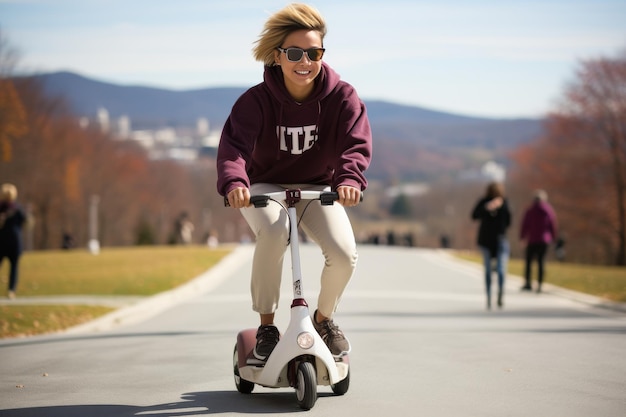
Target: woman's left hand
348, 196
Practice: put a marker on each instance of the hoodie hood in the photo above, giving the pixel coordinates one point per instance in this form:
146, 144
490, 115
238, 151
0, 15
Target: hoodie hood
326, 81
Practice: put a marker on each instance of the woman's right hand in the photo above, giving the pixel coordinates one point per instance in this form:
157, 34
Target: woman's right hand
494, 204
239, 197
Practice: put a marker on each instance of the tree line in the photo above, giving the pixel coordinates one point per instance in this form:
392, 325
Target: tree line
60, 168
580, 159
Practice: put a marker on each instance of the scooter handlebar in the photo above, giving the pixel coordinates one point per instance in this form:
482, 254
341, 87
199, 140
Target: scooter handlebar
327, 198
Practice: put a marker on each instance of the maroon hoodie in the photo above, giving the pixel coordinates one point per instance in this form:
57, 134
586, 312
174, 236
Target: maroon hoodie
271, 138
539, 224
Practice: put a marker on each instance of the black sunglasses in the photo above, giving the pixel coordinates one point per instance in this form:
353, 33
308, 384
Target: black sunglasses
296, 54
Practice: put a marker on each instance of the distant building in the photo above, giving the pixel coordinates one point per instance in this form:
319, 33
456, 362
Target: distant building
202, 127
103, 119
490, 171
181, 143
123, 127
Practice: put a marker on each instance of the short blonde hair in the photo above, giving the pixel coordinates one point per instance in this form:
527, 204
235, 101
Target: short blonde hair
9, 192
296, 16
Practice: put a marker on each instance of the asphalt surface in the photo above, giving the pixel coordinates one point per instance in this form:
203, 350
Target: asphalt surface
423, 344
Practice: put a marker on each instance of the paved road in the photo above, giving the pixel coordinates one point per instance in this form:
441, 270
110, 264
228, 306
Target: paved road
423, 344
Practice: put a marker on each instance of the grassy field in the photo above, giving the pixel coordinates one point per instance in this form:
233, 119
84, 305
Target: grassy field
603, 281
142, 271
149, 270
29, 320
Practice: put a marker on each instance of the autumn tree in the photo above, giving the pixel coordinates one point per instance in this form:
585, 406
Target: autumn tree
580, 159
12, 115
59, 166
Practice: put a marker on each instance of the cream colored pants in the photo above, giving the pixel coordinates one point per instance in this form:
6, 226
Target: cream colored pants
328, 226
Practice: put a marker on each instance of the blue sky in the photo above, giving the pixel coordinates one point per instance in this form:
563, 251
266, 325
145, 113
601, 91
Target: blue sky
505, 58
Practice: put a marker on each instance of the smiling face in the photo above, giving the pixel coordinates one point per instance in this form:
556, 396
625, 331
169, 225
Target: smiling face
300, 76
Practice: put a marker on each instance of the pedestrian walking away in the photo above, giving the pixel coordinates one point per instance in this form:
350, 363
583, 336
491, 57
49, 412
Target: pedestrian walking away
303, 128
12, 218
492, 211
538, 229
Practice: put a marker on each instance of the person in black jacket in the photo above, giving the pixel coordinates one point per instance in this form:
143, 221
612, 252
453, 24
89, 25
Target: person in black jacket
494, 215
12, 218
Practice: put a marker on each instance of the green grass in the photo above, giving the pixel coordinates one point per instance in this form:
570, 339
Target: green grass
142, 271
28, 320
608, 282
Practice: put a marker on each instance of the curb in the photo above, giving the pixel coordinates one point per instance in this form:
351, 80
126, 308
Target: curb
155, 304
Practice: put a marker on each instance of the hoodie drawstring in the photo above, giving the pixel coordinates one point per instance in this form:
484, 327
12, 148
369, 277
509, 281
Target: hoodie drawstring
278, 131
317, 125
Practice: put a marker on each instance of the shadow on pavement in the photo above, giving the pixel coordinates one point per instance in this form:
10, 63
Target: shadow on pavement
191, 404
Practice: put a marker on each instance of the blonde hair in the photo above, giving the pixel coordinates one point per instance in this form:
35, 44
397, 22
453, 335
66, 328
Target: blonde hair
296, 16
9, 192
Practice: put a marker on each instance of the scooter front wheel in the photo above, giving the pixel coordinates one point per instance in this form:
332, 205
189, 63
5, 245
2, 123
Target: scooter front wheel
243, 386
306, 388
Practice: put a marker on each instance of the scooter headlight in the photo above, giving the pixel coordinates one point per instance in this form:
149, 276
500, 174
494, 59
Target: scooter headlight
305, 340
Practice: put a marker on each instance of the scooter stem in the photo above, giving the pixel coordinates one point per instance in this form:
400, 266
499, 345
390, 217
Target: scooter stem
296, 269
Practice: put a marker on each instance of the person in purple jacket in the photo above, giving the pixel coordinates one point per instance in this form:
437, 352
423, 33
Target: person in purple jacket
538, 229
302, 127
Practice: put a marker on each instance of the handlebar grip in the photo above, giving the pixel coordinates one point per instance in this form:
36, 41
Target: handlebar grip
327, 198
256, 200
259, 200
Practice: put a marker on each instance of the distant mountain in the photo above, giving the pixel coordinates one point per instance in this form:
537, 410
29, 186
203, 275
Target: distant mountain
417, 136
144, 105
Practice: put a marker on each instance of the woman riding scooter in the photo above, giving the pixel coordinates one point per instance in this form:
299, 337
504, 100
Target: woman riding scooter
302, 127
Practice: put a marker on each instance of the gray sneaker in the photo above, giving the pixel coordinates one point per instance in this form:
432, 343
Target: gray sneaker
266, 339
332, 336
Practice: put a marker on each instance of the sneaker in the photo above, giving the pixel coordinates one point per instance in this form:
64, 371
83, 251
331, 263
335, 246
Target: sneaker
266, 339
332, 336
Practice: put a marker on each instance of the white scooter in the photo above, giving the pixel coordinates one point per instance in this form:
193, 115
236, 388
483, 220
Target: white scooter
301, 359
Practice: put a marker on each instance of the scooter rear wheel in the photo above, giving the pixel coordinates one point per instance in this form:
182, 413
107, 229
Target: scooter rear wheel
243, 386
306, 388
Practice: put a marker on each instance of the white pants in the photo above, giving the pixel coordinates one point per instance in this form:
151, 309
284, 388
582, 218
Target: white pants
328, 226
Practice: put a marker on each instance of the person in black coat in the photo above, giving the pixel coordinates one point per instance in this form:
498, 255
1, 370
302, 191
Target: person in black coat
492, 211
12, 218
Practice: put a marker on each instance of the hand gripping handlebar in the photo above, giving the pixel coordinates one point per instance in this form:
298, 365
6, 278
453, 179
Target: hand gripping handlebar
292, 196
